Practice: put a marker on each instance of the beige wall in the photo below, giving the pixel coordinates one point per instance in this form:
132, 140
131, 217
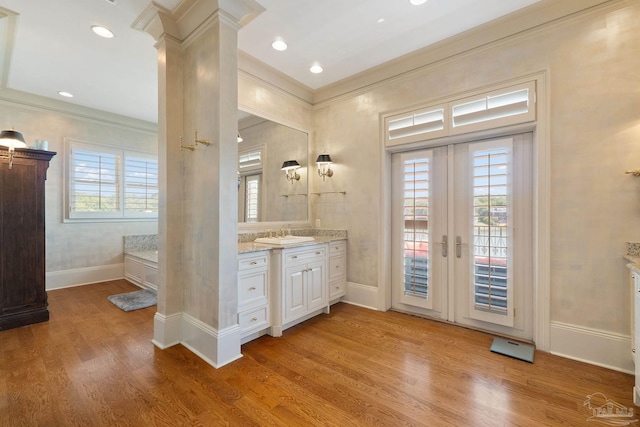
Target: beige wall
593, 64
78, 245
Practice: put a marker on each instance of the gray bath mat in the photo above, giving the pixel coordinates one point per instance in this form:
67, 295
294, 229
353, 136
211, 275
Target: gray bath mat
514, 349
134, 300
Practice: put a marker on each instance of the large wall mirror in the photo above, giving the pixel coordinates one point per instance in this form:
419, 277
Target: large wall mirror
265, 195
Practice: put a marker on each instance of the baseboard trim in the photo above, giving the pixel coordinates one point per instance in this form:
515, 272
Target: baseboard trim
361, 295
593, 346
83, 276
166, 330
215, 347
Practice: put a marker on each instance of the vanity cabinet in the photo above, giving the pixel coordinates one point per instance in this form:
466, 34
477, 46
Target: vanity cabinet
253, 294
23, 296
300, 285
304, 289
337, 269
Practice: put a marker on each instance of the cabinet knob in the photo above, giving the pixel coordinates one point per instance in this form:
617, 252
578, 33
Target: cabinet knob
255, 319
633, 350
253, 288
318, 253
254, 262
295, 257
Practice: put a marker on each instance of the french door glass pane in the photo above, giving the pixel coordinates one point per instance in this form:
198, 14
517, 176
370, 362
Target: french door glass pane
416, 230
490, 226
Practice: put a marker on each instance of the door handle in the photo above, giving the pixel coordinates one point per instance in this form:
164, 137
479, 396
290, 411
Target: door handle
458, 246
445, 245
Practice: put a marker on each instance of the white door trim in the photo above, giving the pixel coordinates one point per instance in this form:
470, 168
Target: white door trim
541, 142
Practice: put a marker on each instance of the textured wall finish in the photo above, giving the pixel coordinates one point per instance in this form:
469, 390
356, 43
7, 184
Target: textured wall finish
78, 245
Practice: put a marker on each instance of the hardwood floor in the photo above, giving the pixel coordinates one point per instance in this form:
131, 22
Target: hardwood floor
94, 365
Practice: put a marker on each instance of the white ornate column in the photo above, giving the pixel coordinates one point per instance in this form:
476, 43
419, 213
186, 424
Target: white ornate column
197, 226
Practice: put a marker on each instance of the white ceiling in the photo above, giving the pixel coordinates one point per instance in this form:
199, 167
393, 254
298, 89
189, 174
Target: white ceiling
53, 49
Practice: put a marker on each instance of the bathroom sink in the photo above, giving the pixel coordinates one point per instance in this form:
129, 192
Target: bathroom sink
282, 241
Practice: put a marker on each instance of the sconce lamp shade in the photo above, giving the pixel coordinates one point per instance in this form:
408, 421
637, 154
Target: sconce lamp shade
290, 165
324, 159
12, 139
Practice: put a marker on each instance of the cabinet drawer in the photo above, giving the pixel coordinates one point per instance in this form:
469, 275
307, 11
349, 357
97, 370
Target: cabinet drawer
337, 267
252, 288
337, 247
254, 319
336, 289
303, 256
255, 261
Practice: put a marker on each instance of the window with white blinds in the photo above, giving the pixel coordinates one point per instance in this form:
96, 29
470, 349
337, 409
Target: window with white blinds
508, 106
504, 106
250, 161
415, 125
108, 183
252, 198
416, 227
491, 238
140, 185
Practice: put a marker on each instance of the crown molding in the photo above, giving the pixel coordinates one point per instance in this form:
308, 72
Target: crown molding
41, 103
269, 76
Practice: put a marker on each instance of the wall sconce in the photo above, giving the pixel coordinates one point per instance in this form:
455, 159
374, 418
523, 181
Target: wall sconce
239, 138
12, 139
289, 167
324, 166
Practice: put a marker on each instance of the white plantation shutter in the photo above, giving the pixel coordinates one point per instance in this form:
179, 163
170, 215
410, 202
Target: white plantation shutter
505, 106
491, 281
140, 186
110, 183
415, 125
94, 184
508, 106
416, 229
252, 201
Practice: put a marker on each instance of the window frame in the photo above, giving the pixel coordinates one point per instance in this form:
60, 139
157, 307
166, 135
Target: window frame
121, 214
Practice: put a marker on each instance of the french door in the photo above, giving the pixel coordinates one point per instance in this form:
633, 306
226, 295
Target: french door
462, 234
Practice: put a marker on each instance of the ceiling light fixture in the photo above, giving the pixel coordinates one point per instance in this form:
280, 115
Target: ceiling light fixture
417, 2
102, 31
279, 45
65, 94
380, 21
316, 68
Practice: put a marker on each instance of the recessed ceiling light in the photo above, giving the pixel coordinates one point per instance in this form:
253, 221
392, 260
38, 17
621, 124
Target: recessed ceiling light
65, 94
417, 2
380, 21
279, 44
316, 69
102, 31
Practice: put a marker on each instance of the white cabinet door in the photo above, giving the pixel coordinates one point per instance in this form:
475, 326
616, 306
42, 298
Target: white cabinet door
295, 293
316, 285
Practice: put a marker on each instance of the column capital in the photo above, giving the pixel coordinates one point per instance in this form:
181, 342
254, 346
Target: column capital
189, 15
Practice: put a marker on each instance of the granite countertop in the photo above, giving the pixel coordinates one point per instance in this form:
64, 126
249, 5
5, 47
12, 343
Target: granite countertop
246, 247
633, 256
147, 255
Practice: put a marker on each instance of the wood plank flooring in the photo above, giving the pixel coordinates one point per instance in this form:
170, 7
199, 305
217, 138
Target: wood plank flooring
94, 365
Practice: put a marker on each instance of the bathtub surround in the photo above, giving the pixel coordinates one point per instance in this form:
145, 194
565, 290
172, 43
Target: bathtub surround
142, 242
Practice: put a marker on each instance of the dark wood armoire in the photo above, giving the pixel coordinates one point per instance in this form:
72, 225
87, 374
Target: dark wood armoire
23, 299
